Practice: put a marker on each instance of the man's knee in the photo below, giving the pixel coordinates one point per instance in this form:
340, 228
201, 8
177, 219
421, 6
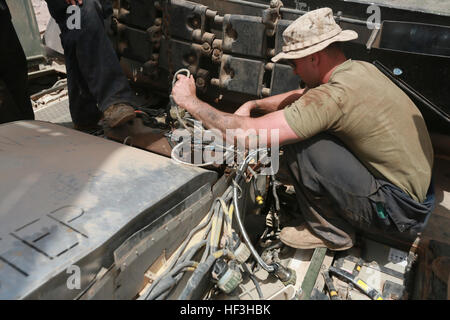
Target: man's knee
324, 162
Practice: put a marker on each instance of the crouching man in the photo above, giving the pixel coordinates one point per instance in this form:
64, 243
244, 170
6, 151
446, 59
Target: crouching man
357, 147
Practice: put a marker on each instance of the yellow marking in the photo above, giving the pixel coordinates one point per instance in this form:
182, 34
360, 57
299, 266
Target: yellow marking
259, 200
362, 284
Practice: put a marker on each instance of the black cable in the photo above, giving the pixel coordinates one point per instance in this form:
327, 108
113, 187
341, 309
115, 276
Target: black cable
168, 281
275, 195
183, 246
239, 174
178, 275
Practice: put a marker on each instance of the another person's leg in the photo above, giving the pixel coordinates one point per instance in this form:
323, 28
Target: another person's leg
335, 192
82, 104
14, 73
94, 72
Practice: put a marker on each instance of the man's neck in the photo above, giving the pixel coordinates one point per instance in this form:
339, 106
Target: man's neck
329, 70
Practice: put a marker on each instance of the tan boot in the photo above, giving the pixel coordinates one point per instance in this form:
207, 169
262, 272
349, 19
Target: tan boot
301, 238
118, 114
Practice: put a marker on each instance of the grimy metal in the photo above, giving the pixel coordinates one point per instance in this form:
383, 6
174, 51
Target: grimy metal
227, 45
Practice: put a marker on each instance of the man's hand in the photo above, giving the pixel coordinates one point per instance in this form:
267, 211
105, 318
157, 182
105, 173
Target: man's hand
183, 91
74, 2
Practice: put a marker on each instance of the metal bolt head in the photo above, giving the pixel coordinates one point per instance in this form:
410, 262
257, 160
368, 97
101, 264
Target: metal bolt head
195, 22
200, 82
191, 59
206, 46
273, 3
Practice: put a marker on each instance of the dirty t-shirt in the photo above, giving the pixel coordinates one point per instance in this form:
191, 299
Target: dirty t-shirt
375, 119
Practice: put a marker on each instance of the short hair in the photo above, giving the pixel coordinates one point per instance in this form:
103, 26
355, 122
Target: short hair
334, 49
335, 46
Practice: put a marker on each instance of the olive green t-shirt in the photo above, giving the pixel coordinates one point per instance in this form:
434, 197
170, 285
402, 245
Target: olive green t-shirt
375, 119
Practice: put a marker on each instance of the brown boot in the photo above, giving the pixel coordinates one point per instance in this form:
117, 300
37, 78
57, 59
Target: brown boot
118, 114
301, 238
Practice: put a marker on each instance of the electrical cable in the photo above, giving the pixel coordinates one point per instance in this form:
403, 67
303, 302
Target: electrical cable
241, 170
275, 195
217, 228
182, 247
169, 281
173, 103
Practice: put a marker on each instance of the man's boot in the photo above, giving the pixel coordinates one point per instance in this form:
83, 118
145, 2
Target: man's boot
118, 114
301, 238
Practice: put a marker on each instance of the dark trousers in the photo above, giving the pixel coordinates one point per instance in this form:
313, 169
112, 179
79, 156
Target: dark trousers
15, 101
337, 195
95, 78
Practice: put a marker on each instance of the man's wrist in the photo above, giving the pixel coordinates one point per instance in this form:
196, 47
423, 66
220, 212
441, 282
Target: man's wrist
190, 104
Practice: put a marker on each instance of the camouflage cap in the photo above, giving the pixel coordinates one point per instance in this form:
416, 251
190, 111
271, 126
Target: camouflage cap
311, 33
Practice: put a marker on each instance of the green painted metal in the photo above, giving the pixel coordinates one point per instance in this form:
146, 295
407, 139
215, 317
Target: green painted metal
24, 21
312, 273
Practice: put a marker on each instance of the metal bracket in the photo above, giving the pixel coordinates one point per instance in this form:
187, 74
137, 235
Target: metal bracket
271, 15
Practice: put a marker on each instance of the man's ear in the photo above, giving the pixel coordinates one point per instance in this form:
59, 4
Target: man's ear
315, 59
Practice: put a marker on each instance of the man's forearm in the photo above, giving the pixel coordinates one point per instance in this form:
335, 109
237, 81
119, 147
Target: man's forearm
211, 117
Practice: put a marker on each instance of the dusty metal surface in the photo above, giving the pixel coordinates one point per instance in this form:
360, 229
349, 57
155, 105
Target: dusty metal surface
70, 198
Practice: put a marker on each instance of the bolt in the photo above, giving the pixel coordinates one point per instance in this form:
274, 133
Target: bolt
269, 66
273, 3
216, 53
206, 46
158, 22
215, 82
195, 22
271, 52
191, 59
265, 92
200, 82
218, 20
